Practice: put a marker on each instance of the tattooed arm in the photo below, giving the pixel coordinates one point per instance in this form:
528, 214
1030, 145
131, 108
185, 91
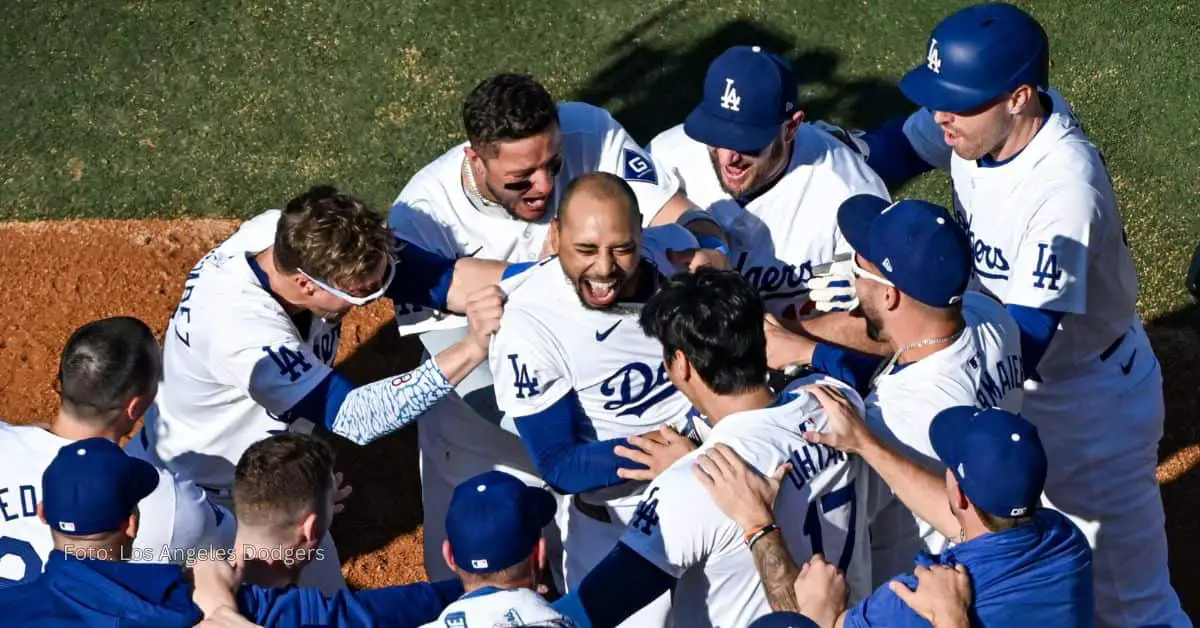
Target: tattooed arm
777, 570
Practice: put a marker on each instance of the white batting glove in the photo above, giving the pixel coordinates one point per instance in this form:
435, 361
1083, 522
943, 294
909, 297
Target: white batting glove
832, 287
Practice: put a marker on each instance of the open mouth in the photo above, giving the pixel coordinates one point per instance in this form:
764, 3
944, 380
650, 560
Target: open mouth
599, 292
535, 204
735, 174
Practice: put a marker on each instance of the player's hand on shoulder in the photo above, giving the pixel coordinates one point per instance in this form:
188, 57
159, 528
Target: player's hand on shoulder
846, 432
740, 491
484, 308
942, 597
214, 581
821, 592
783, 345
341, 491
655, 450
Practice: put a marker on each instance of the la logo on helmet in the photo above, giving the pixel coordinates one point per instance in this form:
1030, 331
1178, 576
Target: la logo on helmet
933, 61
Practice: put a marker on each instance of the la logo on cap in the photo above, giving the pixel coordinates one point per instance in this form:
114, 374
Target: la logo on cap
933, 59
730, 99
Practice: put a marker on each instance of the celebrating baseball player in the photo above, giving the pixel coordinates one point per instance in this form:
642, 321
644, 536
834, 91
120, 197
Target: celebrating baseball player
770, 180
1036, 198
107, 378
710, 328
948, 346
249, 350
496, 546
493, 197
576, 374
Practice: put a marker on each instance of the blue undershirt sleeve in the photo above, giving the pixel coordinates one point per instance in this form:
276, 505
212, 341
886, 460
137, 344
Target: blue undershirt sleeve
891, 155
621, 585
1037, 330
517, 269
851, 367
422, 277
571, 465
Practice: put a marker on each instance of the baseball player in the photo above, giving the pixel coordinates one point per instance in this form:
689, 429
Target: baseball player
497, 548
1036, 198
710, 328
577, 376
770, 180
493, 197
948, 346
107, 377
249, 350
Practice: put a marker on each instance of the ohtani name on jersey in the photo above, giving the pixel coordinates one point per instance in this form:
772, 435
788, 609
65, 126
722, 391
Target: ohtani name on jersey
989, 260
810, 460
1011, 376
635, 388
18, 503
780, 281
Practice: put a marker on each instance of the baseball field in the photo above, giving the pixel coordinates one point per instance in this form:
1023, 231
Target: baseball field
134, 134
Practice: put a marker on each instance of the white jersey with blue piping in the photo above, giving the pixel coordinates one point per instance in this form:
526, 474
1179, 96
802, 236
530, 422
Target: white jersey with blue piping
825, 505
549, 345
779, 236
1047, 234
233, 363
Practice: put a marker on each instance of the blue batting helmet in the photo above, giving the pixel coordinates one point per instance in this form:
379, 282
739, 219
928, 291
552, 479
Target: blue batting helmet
976, 55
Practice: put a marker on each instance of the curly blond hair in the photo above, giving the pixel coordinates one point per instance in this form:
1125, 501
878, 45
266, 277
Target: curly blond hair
332, 236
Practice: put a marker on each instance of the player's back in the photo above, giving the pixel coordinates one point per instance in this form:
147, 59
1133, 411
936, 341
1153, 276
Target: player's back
231, 354
175, 518
496, 608
824, 505
777, 237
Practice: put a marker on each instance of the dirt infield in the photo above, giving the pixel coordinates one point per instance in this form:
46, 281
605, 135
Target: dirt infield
55, 276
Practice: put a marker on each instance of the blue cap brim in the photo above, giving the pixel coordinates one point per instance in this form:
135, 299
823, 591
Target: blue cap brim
946, 433
855, 217
544, 506
927, 89
717, 132
146, 478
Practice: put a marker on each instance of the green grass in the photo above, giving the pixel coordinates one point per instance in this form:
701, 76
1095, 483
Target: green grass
153, 109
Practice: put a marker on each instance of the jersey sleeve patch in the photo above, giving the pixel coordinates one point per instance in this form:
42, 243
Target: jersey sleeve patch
638, 167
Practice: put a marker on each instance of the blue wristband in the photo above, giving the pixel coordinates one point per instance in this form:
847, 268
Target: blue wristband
714, 243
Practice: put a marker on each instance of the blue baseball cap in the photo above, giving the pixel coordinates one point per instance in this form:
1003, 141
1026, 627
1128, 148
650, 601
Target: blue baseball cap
495, 520
783, 619
996, 456
917, 245
93, 486
977, 54
748, 94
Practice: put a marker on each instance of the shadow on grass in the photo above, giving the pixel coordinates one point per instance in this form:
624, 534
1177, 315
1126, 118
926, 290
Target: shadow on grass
650, 87
1176, 340
386, 502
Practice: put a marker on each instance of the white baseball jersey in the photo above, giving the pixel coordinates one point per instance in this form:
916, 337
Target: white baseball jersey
434, 212
780, 235
823, 506
1047, 234
233, 361
497, 608
174, 521
549, 344
981, 368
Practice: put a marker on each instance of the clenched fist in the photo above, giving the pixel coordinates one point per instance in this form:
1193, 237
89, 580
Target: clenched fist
484, 308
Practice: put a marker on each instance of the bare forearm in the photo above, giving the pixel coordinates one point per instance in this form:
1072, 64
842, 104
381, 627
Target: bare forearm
458, 360
840, 328
921, 491
471, 274
777, 570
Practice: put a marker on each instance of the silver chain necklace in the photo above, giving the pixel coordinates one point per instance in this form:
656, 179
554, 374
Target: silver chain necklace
472, 188
886, 367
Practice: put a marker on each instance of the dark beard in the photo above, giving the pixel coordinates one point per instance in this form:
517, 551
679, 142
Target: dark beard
874, 330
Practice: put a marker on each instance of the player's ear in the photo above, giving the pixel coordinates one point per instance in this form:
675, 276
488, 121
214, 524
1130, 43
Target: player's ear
41, 513
540, 554
131, 525
1019, 99
793, 124
137, 406
448, 555
309, 532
